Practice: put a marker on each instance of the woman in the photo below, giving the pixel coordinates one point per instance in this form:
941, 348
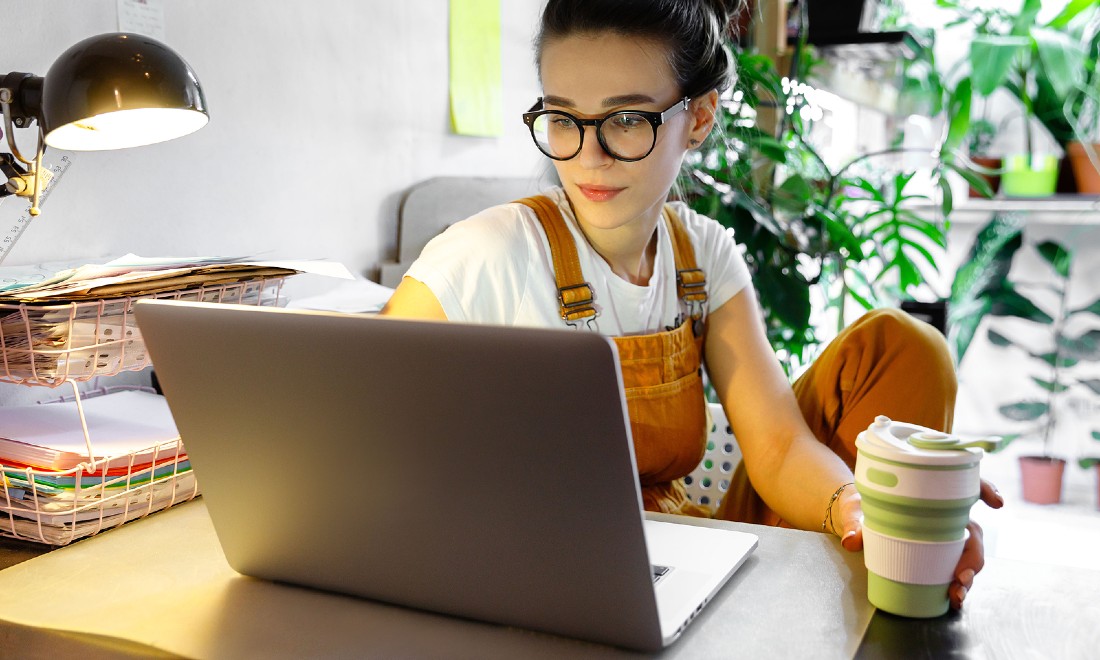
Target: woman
629, 87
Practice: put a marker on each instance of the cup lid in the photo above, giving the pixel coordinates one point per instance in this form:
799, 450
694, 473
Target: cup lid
889, 440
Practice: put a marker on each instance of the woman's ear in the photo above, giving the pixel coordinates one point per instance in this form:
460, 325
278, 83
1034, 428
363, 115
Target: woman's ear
703, 112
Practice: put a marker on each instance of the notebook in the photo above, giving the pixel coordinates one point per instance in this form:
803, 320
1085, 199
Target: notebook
478, 471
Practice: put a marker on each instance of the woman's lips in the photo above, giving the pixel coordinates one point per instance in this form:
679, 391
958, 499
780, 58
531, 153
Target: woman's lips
599, 193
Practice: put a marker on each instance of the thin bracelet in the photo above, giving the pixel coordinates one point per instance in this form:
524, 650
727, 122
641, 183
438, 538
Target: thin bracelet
827, 523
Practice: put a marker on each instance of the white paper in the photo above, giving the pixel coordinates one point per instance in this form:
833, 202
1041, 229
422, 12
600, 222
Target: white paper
49, 435
357, 296
142, 17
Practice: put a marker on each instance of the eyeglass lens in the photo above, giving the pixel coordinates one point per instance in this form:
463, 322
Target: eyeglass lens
624, 135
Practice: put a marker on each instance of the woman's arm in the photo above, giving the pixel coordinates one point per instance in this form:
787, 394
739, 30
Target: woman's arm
794, 473
414, 300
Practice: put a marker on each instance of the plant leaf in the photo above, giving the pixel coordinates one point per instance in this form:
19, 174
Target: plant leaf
793, 195
1024, 411
1093, 308
1062, 59
1057, 256
991, 56
1050, 386
1064, 361
1006, 301
997, 339
1094, 385
1083, 347
958, 109
1069, 12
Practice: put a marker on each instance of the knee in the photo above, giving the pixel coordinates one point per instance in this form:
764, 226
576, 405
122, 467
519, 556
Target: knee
920, 345
895, 325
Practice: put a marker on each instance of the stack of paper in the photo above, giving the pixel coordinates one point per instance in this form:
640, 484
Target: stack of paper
54, 490
75, 323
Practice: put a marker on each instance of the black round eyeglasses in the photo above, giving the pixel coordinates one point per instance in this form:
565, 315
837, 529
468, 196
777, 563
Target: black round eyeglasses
626, 135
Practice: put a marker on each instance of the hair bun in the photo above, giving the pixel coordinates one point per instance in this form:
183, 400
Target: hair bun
726, 10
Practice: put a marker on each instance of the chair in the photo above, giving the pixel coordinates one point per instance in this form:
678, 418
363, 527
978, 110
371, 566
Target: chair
708, 483
430, 206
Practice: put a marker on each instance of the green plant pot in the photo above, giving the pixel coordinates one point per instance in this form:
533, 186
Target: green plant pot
1029, 176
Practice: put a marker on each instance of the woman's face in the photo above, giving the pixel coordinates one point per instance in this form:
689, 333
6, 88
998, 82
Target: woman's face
590, 76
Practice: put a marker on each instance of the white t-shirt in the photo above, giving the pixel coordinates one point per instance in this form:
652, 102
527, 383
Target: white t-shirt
495, 267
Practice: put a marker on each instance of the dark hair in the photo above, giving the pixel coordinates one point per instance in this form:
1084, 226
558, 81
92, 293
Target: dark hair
693, 31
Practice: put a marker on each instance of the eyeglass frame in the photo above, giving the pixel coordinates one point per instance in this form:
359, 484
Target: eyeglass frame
655, 119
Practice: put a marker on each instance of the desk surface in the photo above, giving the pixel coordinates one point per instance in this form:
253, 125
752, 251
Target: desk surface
162, 585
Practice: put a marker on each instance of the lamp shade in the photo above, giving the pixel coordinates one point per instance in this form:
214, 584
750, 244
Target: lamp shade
119, 90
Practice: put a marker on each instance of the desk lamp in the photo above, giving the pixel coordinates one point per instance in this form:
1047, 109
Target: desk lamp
110, 91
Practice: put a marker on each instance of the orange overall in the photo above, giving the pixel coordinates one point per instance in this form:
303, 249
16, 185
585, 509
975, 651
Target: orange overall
662, 373
884, 363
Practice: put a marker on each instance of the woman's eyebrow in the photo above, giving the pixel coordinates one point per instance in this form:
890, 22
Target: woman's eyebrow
610, 102
627, 99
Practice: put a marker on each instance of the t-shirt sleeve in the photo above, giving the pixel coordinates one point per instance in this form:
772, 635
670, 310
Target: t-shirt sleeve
478, 268
718, 254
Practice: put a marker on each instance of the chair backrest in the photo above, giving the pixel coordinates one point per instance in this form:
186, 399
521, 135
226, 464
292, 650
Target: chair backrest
708, 483
432, 205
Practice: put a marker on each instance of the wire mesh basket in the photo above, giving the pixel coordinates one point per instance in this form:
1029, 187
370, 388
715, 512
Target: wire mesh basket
58, 507
50, 344
70, 343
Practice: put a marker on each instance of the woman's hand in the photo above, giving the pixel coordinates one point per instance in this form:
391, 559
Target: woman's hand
849, 528
973, 556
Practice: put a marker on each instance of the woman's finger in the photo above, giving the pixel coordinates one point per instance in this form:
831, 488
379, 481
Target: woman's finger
850, 528
990, 495
970, 564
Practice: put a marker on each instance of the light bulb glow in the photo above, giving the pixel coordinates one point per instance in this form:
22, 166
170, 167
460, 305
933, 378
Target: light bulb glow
126, 128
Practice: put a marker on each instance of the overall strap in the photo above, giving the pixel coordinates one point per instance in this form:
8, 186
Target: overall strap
575, 295
691, 281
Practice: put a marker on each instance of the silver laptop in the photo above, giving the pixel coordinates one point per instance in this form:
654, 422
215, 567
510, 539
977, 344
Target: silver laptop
483, 472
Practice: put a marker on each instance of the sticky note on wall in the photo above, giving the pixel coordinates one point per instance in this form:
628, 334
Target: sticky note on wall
476, 99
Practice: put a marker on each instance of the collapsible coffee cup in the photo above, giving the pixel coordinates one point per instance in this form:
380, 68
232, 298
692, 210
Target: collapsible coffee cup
916, 505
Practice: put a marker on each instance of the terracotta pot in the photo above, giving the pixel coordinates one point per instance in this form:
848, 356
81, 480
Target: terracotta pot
1086, 174
1041, 478
1098, 485
994, 180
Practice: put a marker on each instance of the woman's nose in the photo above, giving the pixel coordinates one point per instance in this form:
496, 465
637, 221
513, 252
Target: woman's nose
592, 154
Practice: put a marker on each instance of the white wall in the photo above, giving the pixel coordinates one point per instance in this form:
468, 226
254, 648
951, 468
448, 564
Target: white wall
322, 113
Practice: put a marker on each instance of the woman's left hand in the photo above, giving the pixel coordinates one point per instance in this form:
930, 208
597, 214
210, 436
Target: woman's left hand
970, 563
973, 555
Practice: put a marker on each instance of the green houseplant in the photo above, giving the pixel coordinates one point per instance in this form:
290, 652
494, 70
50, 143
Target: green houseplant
842, 232
1054, 337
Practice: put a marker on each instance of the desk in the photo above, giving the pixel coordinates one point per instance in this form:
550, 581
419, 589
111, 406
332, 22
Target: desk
161, 585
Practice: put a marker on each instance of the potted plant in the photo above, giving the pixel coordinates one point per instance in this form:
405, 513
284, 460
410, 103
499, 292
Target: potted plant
1083, 152
1093, 461
1044, 66
980, 137
983, 288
